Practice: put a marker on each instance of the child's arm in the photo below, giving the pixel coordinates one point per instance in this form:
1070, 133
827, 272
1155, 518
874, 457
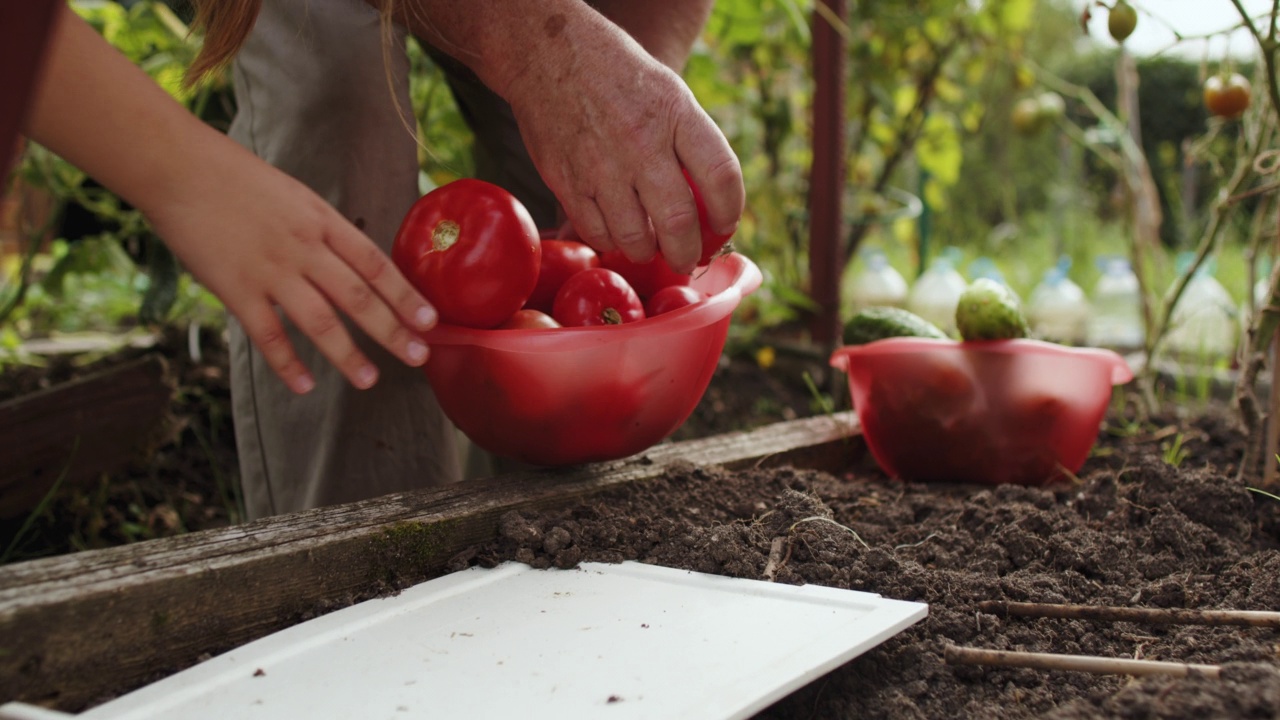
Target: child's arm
255, 237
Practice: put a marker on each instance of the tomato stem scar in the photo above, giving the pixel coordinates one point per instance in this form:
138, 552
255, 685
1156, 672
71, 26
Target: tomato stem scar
444, 235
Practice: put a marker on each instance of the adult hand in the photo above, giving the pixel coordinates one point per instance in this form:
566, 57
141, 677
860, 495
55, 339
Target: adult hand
609, 128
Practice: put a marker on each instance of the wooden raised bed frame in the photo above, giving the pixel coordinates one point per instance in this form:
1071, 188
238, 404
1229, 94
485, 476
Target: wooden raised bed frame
79, 629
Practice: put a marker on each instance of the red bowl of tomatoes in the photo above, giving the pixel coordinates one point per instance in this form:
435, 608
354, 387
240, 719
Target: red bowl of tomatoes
1004, 411
574, 395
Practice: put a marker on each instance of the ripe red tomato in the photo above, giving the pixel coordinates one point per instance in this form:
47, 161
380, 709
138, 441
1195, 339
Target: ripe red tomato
597, 296
529, 319
472, 250
1227, 97
560, 260
672, 297
647, 278
712, 242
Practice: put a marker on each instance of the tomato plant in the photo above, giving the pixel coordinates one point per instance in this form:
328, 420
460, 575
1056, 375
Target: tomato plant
597, 296
529, 319
713, 243
1033, 114
672, 297
560, 260
472, 250
647, 278
1227, 96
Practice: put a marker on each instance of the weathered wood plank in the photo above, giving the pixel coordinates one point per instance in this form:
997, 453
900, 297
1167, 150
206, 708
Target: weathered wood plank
77, 629
77, 430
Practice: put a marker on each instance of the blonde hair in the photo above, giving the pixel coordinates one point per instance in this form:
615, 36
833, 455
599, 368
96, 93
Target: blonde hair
226, 24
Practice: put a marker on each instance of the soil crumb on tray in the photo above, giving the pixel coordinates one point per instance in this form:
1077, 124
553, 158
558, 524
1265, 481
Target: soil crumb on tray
1135, 531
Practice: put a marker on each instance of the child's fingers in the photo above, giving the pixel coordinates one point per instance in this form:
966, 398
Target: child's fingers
263, 326
375, 268
360, 301
317, 319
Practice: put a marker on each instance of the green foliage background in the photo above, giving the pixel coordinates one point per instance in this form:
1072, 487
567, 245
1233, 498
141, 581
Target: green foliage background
929, 93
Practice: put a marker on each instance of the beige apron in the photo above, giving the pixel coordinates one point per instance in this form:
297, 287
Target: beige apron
313, 99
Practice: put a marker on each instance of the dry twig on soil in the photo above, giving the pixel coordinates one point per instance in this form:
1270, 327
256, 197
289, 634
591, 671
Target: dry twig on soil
1164, 616
1082, 663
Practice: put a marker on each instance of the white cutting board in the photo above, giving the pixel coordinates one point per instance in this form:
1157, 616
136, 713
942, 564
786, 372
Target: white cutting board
600, 641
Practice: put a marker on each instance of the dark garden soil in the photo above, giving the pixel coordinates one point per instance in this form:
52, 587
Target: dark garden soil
1132, 531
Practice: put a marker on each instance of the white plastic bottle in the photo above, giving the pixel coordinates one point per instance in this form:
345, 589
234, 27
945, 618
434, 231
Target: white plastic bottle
1115, 320
1057, 309
936, 293
1203, 325
878, 284
985, 267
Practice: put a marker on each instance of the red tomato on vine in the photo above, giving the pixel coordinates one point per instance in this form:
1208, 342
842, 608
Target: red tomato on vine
472, 249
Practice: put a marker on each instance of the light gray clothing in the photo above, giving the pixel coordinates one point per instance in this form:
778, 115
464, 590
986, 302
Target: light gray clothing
313, 99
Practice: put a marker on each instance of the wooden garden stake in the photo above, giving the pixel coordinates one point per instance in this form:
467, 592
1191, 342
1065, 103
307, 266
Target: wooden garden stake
1164, 616
1081, 663
1273, 421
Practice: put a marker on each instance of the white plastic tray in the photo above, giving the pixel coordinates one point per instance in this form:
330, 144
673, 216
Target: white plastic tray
601, 641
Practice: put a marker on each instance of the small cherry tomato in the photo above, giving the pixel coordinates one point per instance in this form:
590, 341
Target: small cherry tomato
647, 278
529, 319
472, 250
1227, 96
672, 297
713, 243
597, 296
560, 260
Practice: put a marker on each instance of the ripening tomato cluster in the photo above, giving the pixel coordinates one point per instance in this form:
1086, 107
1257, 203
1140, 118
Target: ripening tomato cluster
472, 249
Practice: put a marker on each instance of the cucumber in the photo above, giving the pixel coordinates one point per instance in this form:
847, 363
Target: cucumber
878, 323
989, 310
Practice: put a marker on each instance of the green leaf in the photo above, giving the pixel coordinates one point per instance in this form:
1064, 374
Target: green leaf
939, 148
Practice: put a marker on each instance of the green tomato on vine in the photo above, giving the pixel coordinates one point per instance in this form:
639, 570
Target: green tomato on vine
1121, 20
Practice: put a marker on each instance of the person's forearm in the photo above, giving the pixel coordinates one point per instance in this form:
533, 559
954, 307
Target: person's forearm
505, 41
666, 28
98, 111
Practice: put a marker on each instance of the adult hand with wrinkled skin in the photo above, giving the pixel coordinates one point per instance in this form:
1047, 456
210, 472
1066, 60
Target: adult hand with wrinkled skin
607, 125
609, 128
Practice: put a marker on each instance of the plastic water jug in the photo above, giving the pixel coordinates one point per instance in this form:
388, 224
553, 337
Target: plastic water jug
1203, 325
985, 267
878, 284
1057, 309
1116, 304
936, 293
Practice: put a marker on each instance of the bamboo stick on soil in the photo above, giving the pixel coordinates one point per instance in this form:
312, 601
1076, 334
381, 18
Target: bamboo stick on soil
1163, 616
1082, 663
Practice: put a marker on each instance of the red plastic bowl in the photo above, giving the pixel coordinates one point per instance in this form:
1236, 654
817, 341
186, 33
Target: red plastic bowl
1006, 411
576, 395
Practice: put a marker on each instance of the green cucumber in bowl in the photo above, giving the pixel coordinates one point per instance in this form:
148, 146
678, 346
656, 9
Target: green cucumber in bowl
989, 310
878, 323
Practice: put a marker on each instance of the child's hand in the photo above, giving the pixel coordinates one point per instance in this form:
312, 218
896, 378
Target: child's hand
260, 240
257, 238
